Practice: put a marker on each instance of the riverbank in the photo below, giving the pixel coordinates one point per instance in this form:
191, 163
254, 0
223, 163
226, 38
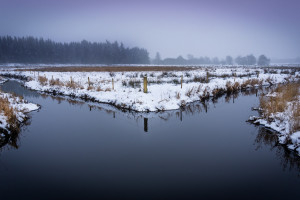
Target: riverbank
280, 111
13, 112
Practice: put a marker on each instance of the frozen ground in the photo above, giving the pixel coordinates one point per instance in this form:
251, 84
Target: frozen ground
164, 89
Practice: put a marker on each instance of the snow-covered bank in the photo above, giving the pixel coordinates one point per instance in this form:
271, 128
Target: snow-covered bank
164, 89
2, 80
13, 111
281, 112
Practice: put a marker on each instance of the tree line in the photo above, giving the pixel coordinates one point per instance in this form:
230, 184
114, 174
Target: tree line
39, 50
191, 60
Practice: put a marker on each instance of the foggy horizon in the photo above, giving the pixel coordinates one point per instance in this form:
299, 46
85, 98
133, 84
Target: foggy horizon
172, 28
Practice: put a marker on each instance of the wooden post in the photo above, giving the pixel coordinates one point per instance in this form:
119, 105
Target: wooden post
181, 80
113, 85
89, 81
52, 77
145, 85
71, 79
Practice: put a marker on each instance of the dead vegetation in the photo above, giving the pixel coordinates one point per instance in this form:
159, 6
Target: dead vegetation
10, 113
283, 97
74, 85
253, 82
189, 92
43, 80
56, 82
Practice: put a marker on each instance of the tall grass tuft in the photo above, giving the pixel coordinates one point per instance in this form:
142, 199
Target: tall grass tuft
43, 80
285, 97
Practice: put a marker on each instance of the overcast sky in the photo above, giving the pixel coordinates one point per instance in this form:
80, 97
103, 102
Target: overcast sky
171, 27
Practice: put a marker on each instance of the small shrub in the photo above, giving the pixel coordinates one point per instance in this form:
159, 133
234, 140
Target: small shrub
57, 82
74, 85
124, 83
99, 89
189, 92
43, 80
90, 87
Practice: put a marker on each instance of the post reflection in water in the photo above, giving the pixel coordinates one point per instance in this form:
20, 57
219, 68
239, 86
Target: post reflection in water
146, 124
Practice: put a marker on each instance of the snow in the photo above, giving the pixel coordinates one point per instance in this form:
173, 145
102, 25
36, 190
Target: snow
281, 123
162, 94
21, 107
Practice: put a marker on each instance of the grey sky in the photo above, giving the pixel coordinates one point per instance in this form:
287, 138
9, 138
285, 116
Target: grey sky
202, 28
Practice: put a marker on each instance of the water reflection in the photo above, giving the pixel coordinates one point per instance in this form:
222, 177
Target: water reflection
11, 141
263, 139
289, 160
191, 109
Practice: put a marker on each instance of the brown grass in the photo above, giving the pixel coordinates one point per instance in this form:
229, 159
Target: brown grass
57, 82
74, 85
251, 82
10, 113
43, 80
287, 93
90, 87
99, 89
110, 69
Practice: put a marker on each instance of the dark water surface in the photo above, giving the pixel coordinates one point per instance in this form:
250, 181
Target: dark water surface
76, 150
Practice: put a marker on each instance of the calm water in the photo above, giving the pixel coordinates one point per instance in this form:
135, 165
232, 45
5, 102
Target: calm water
76, 150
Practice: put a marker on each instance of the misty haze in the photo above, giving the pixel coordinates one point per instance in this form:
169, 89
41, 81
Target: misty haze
149, 99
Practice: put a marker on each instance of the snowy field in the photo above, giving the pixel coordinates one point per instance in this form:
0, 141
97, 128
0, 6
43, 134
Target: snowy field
125, 89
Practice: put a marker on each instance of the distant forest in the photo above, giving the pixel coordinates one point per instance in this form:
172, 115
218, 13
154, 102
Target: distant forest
37, 50
191, 60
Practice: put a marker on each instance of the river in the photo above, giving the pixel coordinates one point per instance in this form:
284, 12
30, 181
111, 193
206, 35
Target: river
81, 150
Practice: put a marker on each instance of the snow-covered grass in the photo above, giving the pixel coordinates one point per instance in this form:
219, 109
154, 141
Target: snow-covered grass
281, 112
125, 89
13, 111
